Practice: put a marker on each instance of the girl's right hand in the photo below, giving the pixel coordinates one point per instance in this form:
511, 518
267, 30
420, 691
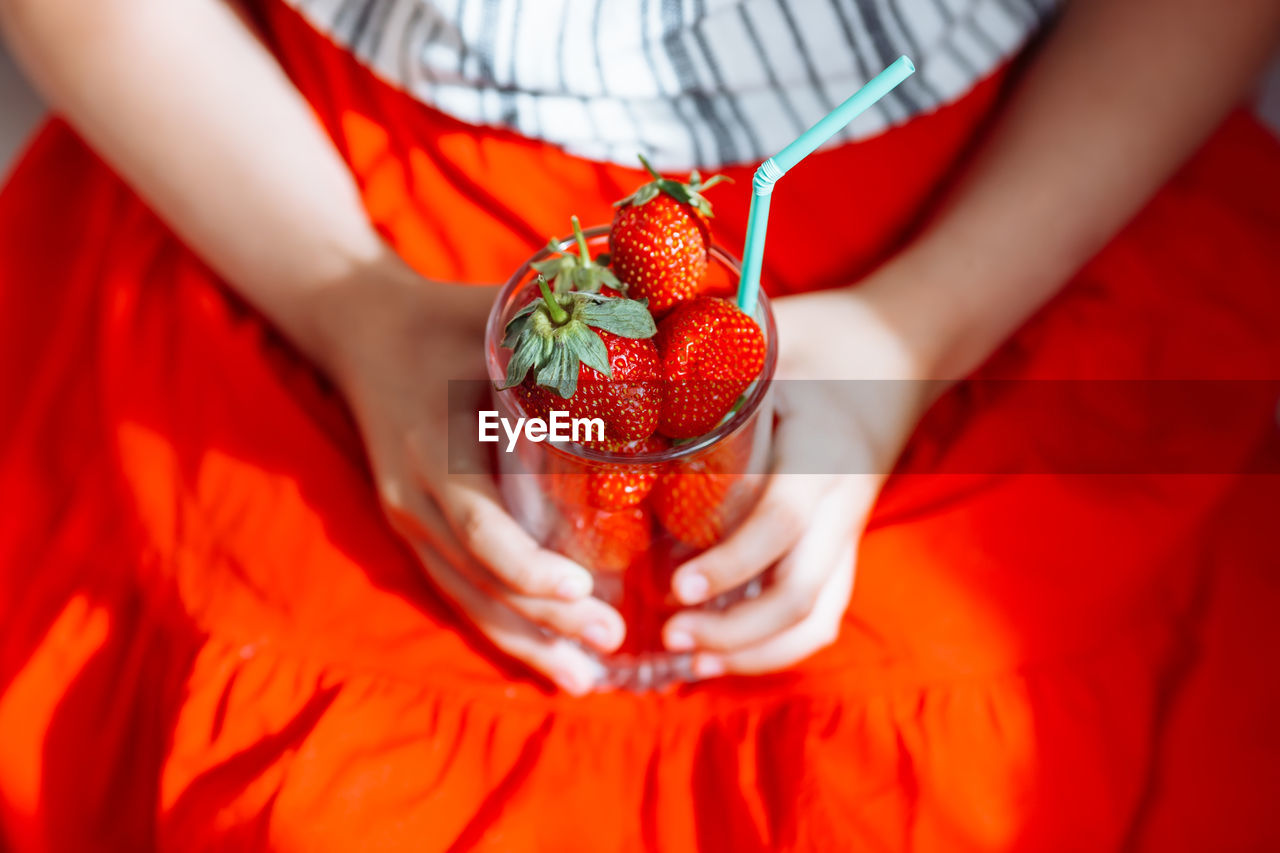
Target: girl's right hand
391, 344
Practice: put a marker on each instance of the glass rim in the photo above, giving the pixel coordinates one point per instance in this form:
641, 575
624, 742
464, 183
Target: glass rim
755, 394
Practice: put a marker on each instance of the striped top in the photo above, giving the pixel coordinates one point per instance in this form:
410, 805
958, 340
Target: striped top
686, 82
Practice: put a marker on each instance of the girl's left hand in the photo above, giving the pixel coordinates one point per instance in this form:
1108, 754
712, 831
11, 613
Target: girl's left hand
808, 524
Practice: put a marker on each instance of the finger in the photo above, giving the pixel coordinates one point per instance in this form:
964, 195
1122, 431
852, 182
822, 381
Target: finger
793, 645
790, 599
588, 619
477, 516
772, 529
417, 517
558, 658
484, 528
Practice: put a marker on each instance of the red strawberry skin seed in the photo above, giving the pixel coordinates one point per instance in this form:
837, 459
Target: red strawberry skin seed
659, 250
710, 352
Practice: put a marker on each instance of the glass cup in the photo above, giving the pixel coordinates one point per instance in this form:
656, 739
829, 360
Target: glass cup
702, 490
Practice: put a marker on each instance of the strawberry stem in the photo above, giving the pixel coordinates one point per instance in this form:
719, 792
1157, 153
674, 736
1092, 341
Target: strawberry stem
652, 171
583, 252
558, 314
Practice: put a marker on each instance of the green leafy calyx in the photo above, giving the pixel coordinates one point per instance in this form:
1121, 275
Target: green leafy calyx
568, 271
552, 336
690, 193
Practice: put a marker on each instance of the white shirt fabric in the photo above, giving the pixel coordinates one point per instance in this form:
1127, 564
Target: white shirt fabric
686, 82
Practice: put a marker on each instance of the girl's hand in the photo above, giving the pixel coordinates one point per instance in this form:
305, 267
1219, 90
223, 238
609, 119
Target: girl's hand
847, 428
392, 345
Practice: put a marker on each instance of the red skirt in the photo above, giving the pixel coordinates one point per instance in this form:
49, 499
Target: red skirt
209, 639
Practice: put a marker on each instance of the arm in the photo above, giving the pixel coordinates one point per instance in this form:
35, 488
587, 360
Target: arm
186, 103
1120, 94
190, 108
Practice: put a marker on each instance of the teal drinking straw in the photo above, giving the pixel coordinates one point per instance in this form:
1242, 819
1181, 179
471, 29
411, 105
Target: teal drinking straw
782, 162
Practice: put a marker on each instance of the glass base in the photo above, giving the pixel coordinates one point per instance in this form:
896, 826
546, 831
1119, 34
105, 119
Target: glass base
655, 670
651, 671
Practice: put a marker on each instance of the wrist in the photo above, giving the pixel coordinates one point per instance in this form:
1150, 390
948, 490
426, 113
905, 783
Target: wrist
375, 300
323, 316
384, 311
935, 303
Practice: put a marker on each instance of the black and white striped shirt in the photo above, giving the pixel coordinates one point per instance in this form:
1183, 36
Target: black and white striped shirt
686, 82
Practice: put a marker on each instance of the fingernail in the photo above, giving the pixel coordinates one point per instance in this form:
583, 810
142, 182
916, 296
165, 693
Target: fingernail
598, 635
574, 586
708, 667
691, 588
679, 641
569, 682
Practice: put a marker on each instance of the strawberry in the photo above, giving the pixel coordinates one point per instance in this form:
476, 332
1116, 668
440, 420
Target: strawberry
591, 350
659, 238
688, 504
618, 486
605, 485
577, 272
699, 500
710, 351
603, 540
565, 480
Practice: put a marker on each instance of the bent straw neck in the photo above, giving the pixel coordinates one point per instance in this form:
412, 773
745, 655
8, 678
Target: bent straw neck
766, 176
771, 170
